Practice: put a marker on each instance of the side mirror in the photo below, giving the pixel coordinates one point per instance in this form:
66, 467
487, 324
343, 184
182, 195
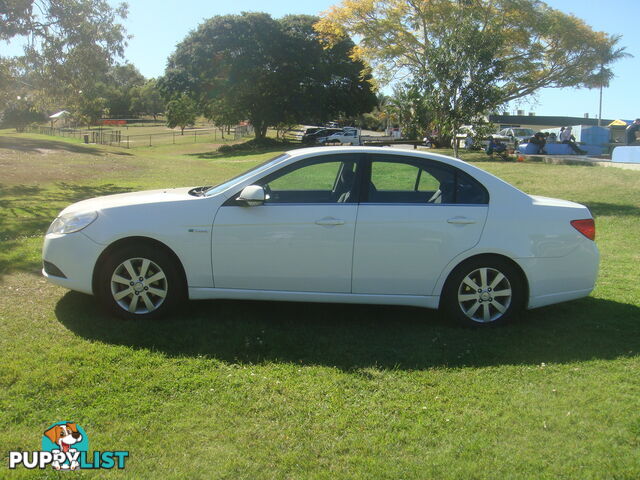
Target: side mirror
253, 195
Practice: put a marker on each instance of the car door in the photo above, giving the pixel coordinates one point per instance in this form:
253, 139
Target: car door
300, 239
415, 217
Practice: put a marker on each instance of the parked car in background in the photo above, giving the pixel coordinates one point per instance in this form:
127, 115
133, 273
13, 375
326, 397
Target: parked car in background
349, 135
514, 136
310, 130
312, 138
332, 224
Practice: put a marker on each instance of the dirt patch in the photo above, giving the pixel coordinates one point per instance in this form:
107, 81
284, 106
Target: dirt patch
34, 161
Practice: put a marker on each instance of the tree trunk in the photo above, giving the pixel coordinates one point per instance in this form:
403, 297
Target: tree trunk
182, 130
455, 142
260, 130
600, 107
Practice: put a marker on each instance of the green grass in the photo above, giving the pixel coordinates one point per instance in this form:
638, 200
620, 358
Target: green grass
280, 390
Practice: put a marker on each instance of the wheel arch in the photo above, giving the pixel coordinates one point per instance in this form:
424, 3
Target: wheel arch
136, 240
479, 256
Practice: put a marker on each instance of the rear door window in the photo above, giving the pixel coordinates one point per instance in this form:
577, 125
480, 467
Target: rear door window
400, 179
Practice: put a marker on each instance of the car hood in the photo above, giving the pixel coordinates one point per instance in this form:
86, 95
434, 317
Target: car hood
133, 198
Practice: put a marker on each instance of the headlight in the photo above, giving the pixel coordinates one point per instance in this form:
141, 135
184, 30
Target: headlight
72, 222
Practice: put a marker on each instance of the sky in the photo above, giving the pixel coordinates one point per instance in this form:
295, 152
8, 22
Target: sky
157, 26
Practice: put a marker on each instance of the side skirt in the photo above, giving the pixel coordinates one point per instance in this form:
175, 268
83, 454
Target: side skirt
200, 293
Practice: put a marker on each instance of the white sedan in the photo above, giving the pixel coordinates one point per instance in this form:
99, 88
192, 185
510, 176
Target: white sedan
337, 224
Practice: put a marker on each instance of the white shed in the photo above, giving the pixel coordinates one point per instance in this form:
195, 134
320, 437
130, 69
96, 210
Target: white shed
59, 119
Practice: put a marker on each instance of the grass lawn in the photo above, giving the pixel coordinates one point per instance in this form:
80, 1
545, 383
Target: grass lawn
231, 389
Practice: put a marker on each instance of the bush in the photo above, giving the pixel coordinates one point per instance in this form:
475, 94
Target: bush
254, 144
21, 115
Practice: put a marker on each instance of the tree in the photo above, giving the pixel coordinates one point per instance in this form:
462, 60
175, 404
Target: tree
68, 44
609, 53
407, 108
181, 111
463, 79
325, 83
9, 82
89, 106
120, 80
270, 72
21, 113
146, 99
537, 46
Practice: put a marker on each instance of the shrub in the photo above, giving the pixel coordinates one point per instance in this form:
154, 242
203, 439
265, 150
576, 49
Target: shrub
253, 144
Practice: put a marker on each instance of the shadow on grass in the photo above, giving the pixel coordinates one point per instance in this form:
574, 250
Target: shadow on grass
27, 211
609, 209
31, 145
358, 336
246, 153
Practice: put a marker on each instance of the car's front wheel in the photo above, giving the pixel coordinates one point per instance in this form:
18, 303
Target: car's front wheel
140, 282
484, 291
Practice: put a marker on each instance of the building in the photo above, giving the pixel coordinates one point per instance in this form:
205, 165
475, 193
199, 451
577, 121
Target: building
537, 123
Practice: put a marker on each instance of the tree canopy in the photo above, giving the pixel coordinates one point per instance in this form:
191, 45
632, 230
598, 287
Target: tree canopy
111, 95
68, 44
181, 111
268, 71
146, 99
537, 45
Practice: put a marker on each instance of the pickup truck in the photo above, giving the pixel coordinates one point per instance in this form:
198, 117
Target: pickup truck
348, 135
514, 136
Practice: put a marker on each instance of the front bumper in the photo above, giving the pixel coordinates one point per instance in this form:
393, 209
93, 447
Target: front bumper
75, 255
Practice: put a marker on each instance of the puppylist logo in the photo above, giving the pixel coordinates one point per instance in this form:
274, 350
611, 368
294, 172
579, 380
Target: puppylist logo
65, 446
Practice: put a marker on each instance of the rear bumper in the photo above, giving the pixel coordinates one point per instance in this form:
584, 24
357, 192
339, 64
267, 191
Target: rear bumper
544, 300
555, 280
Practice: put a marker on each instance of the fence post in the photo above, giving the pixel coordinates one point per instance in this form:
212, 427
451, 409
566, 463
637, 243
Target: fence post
174, 138
127, 141
149, 140
195, 136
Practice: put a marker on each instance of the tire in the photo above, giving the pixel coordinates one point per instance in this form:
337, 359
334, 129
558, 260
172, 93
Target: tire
469, 295
140, 282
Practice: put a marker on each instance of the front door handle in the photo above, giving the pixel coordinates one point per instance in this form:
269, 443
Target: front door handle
328, 221
461, 221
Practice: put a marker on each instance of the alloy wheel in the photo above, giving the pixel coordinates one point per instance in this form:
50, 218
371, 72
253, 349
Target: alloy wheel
484, 295
139, 285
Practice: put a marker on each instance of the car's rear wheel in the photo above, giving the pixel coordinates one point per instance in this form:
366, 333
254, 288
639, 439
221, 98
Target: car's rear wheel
484, 291
140, 282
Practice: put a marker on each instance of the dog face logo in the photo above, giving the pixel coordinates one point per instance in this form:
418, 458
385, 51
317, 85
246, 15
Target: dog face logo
68, 439
64, 435
65, 446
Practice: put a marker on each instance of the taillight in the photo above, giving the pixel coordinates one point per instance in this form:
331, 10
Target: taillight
587, 227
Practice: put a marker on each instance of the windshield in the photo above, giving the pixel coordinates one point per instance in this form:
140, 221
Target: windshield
523, 132
243, 176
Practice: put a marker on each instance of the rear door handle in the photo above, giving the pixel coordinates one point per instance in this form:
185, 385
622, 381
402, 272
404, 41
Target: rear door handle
327, 221
461, 221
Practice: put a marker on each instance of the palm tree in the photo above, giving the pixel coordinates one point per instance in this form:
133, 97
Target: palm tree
609, 54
